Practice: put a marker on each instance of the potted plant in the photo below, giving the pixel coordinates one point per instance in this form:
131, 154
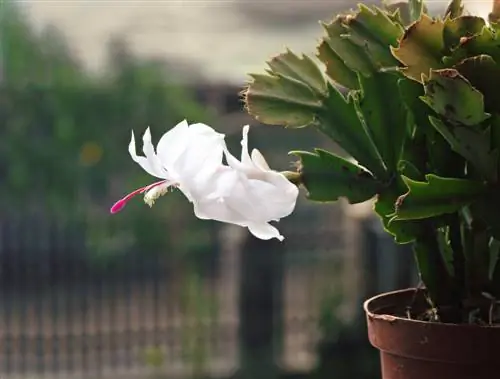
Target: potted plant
413, 101
421, 118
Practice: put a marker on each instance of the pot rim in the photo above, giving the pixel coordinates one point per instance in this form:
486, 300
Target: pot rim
462, 344
373, 306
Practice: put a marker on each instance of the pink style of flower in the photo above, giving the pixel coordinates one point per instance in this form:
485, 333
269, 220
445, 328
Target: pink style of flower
185, 157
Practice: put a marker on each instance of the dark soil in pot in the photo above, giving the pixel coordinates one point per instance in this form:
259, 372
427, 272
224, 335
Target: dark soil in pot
412, 349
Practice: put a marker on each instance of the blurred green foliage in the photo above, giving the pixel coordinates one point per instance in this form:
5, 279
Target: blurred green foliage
64, 135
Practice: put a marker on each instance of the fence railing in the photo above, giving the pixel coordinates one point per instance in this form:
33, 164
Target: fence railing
61, 317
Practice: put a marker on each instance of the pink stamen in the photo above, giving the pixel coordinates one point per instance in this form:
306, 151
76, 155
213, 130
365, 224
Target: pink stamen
120, 204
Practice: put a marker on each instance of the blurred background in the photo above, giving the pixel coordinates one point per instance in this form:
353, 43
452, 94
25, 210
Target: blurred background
157, 293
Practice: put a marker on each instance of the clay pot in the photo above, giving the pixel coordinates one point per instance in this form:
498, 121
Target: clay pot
411, 349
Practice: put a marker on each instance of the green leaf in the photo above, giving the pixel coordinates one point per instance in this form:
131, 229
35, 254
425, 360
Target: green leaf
414, 157
336, 69
379, 92
432, 269
291, 101
481, 235
409, 170
494, 247
454, 9
487, 209
410, 92
359, 43
398, 12
372, 30
401, 12
427, 146
446, 251
291, 94
328, 177
473, 145
442, 159
477, 260
340, 121
415, 8
354, 57
403, 231
280, 100
452, 96
484, 74
378, 24
420, 49
302, 69
457, 28
436, 196
484, 43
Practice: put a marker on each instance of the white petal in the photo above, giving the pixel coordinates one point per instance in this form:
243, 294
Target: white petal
210, 197
264, 200
247, 165
209, 157
245, 157
222, 183
265, 231
229, 196
142, 161
259, 160
217, 210
203, 129
173, 143
149, 152
233, 161
203, 155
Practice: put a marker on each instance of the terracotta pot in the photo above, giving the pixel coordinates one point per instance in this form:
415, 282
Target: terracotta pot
411, 349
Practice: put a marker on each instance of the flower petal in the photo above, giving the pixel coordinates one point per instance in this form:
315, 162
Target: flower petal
210, 200
263, 200
246, 164
149, 152
142, 161
203, 155
259, 160
173, 143
265, 231
245, 157
203, 129
217, 210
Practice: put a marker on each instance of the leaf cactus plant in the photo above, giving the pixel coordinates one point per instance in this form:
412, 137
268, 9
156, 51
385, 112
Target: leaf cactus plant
413, 100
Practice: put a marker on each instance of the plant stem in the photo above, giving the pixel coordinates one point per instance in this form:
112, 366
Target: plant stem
432, 267
293, 177
458, 255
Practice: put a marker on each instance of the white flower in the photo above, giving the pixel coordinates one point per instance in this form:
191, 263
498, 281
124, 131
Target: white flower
186, 157
248, 193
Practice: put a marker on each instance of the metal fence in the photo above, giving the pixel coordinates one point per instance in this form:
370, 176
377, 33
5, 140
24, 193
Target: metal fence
62, 315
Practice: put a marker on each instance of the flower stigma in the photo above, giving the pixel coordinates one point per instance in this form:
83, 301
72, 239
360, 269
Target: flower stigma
120, 204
